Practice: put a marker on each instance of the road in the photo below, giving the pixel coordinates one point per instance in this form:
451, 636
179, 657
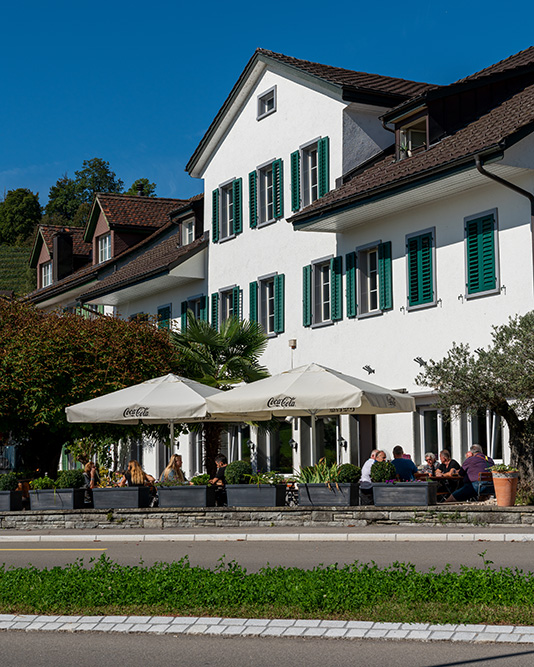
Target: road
83, 650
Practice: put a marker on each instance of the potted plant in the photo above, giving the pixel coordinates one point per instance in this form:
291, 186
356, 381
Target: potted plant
10, 497
65, 493
183, 494
323, 484
505, 481
121, 497
263, 489
388, 491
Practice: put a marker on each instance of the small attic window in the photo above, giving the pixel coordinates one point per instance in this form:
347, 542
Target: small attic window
267, 103
412, 138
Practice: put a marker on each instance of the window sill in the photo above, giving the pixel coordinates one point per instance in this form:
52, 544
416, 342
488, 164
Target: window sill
320, 325
422, 306
226, 238
266, 223
373, 313
478, 295
267, 113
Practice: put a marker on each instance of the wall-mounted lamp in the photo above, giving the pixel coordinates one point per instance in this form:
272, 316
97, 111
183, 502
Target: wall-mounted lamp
292, 343
461, 297
251, 445
420, 361
293, 444
368, 369
342, 442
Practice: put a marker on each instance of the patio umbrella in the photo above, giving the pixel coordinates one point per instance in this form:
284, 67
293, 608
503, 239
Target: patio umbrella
309, 390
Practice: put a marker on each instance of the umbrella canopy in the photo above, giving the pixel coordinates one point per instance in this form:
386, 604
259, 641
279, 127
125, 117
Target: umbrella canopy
309, 390
168, 399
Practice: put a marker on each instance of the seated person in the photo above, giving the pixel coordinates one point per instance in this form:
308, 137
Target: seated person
366, 485
475, 463
136, 476
429, 467
173, 472
219, 481
405, 468
448, 467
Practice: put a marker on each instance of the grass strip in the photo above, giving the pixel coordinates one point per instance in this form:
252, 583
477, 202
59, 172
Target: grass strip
397, 593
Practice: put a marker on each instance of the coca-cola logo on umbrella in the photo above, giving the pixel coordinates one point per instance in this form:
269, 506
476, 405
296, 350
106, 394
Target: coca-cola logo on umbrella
281, 402
136, 413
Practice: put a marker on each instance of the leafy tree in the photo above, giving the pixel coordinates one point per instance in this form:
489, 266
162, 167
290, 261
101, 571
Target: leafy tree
63, 201
20, 213
148, 189
51, 360
500, 378
96, 176
220, 359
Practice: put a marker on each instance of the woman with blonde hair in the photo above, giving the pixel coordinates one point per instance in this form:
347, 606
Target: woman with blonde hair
173, 472
136, 476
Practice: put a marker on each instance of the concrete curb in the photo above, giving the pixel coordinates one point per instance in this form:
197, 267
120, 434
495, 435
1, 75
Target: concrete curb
274, 537
261, 627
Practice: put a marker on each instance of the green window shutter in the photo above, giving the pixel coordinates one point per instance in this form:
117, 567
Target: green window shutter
204, 308
183, 313
236, 302
278, 188
352, 307
420, 273
323, 159
295, 181
215, 215
307, 295
279, 305
164, 317
385, 276
100, 309
253, 198
215, 311
481, 266
336, 281
253, 302
237, 189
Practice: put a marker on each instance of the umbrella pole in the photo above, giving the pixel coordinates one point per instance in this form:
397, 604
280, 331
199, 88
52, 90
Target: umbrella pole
313, 438
171, 428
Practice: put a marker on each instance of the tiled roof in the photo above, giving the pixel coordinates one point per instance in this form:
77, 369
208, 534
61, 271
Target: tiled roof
521, 59
79, 246
157, 258
351, 78
486, 132
135, 211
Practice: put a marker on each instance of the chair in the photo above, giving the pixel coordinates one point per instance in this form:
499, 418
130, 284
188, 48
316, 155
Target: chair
484, 477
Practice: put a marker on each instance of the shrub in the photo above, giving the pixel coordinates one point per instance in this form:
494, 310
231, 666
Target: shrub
383, 471
41, 483
237, 472
348, 473
8, 482
320, 473
70, 479
200, 480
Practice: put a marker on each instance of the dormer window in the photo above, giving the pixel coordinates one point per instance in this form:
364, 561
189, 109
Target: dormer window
267, 103
46, 274
188, 232
104, 248
412, 138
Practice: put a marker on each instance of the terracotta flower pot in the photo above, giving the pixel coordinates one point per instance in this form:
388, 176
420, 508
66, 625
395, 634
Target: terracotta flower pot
505, 485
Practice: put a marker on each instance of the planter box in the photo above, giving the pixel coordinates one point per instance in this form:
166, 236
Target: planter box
122, 497
254, 495
322, 495
186, 496
405, 494
10, 500
58, 499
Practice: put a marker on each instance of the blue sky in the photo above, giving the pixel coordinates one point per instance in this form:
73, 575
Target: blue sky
138, 83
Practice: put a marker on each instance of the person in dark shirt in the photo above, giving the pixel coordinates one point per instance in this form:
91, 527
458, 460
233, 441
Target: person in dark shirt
219, 481
405, 468
475, 463
447, 465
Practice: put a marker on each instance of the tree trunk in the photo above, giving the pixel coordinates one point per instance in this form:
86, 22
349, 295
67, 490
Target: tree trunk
522, 450
212, 445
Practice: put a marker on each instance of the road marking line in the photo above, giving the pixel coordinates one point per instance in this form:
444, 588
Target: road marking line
101, 549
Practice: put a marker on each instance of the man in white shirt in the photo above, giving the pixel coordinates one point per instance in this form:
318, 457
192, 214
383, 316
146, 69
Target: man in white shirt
366, 485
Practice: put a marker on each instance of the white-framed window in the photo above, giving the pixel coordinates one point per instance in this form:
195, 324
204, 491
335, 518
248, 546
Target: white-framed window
227, 212
267, 103
104, 248
310, 175
229, 303
188, 231
46, 274
267, 305
321, 292
412, 138
266, 194
369, 281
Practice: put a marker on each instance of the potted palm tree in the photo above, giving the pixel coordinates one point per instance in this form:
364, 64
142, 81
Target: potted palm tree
323, 484
65, 493
505, 481
245, 489
10, 498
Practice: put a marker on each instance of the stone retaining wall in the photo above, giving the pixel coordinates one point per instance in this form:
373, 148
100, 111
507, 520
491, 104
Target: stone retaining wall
238, 517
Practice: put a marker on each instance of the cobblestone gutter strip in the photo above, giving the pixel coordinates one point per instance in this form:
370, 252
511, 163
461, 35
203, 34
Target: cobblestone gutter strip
185, 625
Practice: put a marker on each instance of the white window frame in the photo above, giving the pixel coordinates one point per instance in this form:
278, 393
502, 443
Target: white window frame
267, 304
104, 248
407, 135
321, 292
226, 217
46, 274
187, 231
265, 194
309, 172
267, 103
226, 303
364, 290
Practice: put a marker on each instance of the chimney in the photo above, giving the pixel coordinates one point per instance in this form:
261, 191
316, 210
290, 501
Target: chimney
140, 187
62, 259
